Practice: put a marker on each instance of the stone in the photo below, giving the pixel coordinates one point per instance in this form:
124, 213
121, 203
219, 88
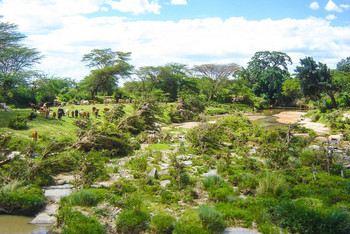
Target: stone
314, 147
43, 219
187, 163
56, 192
239, 231
153, 173
13, 154
164, 183
210, 173
183, 157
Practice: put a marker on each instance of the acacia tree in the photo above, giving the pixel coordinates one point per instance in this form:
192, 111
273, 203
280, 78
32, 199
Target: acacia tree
216, 77
108, 67
315, 78
267, 72
16, 59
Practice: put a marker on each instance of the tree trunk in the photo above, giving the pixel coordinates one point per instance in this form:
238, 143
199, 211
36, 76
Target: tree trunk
331, 95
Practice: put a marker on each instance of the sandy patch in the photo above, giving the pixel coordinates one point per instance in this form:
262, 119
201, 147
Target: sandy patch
319, 128
253, 117
288, 117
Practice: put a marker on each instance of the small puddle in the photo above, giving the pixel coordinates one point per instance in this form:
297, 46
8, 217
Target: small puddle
20, 225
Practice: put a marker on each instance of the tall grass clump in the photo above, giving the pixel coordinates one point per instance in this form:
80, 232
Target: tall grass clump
212, 220
76, 222
80, 198
20, 199
212, 181
271, 184
163, 223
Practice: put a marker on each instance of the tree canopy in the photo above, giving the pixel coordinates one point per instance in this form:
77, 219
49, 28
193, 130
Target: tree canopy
109, 66
16, 59
267, 72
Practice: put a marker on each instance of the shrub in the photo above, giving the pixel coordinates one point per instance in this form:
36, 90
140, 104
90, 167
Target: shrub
80, 198
76, 222
133, 221
189, 223
212, 220
17, 122
300, 217
248, 182
163, 223
16, 198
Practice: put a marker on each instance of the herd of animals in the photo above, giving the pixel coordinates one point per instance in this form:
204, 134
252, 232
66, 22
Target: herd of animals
44, 109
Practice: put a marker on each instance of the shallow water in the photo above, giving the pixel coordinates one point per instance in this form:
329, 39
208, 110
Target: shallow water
270, 121
10, 224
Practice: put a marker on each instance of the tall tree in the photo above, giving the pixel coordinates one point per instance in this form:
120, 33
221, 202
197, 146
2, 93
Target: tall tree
216, 77
109, 66
344, 65
16, 59
315, 78
267, 72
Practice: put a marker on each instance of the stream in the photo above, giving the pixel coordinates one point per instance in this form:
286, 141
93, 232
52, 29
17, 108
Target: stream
20, 225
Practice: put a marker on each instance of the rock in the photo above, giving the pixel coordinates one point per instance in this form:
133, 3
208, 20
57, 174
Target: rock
43, 219
252, 151
314, 147
164, 183
183, 157
153, 173
335, 139
210, 173
187, 163
13, 154
56, 192
239, 231
164, 172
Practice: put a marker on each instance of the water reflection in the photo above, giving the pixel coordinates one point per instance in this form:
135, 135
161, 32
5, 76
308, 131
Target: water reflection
10, 224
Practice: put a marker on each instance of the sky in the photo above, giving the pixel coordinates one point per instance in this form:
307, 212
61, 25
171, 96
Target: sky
190, 32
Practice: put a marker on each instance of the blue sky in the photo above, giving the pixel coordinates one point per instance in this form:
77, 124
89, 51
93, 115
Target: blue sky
182, 31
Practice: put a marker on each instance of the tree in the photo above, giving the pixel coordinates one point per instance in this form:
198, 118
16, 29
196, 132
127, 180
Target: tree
315, 79
267, 72
216, 77
344, 65
16, 59
109, 66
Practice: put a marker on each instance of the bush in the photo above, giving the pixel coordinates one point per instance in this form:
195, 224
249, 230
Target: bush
80, 198
76, 222
189, 223
300, 217
133, 221
16, 198
17, 122
212, 220
163, 223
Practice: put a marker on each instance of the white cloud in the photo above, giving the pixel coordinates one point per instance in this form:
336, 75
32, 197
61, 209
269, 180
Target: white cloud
178, 2
41, 15
331, 6
209, 40
314, 6
345, 6
135, 6
331, 17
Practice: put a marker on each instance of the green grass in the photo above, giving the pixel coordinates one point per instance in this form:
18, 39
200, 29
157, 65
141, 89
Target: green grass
159, 146
50, 128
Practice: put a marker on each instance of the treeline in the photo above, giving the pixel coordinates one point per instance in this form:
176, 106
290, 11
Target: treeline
266, 81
